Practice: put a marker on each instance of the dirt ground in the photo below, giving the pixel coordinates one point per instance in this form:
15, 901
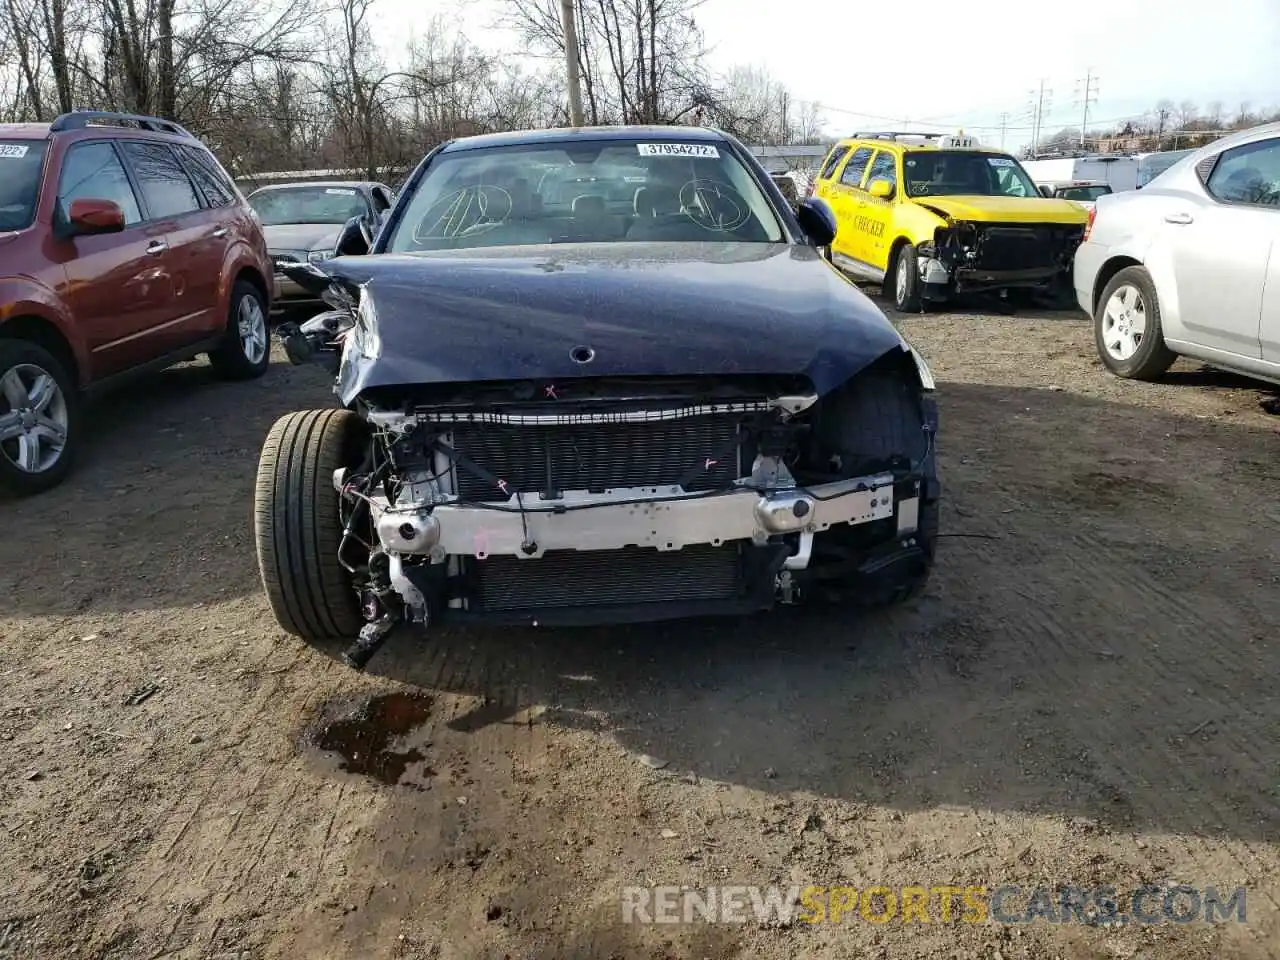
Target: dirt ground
1085, 695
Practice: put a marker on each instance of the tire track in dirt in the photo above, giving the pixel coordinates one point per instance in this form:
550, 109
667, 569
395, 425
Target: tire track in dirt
1086, 564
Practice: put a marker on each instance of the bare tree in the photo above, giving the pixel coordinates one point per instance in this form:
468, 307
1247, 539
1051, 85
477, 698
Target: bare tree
641, 60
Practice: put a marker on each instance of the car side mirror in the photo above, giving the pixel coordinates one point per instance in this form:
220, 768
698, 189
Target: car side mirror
87, 217
355, 240
881, 189
1046, 192
817, 221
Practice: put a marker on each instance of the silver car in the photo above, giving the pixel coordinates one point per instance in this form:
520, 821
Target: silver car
1190, 264
302, 221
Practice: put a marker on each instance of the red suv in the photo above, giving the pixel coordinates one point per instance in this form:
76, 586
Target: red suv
124, 246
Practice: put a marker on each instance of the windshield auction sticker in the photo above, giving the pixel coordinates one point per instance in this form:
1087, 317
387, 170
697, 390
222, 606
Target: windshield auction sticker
1000, 161
13, 150
340, 192
678, 150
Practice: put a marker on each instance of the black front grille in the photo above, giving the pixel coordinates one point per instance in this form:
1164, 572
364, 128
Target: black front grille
635, 575
597, 456
1016, 248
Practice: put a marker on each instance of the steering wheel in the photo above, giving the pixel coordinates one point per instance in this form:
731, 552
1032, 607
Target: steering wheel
465, 212
714, 205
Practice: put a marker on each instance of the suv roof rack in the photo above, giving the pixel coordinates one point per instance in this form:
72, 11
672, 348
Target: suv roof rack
896, 135
79, 119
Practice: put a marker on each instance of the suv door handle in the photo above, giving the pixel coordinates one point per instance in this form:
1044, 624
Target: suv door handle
1178, 218
156, 247
219, 233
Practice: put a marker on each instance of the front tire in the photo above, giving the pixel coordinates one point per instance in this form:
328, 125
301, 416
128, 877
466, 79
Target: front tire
1126, 327
297, 526
40, 427
902, 282
245, 350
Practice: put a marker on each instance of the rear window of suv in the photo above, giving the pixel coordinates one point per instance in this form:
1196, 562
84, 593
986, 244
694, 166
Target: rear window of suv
21, 163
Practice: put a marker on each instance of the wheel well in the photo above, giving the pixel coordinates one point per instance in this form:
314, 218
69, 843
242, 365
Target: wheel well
45, 334
893, 252
1109, 270
252, 276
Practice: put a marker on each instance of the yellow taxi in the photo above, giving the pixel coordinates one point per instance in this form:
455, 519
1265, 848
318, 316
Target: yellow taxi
928, 216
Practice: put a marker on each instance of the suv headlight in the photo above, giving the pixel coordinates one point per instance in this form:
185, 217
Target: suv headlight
316, 256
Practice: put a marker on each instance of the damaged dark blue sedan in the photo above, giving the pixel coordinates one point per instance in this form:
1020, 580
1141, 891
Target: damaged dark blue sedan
594, 376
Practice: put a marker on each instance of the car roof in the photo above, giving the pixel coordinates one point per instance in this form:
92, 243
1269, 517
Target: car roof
44, 131
562, 134
24, 131
883, 143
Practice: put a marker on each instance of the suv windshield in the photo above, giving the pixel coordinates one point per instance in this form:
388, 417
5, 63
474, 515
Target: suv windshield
313, 204
584, 192
943, 173
21, 162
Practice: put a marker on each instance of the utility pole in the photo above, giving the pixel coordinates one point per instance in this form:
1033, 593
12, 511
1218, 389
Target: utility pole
571, 62
1164, 115
1039, 103
1088, 94
1004, 123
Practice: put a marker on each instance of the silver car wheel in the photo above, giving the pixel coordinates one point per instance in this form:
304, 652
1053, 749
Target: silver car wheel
253, 329
904, 275
1124, 322
34, 421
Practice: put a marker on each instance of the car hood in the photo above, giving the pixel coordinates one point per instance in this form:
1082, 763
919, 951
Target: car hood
645, 309
302, 236
982, 209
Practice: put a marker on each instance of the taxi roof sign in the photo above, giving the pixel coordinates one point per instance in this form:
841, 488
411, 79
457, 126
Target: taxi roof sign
958, 141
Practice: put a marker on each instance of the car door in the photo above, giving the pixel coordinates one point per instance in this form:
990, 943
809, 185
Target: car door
874, 213
222, 228
1221, 242
822, 184
846, 200
193, 253
119, 288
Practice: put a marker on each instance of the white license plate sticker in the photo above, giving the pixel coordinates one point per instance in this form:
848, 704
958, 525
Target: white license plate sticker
14, 150
678, 150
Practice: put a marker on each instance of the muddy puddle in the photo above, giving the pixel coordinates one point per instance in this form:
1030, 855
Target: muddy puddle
367, 742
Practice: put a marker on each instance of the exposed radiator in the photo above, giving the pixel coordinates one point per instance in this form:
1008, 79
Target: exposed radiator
597, 456
572, 578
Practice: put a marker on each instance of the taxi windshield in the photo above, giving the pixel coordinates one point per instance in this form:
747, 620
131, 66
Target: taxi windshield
945, 173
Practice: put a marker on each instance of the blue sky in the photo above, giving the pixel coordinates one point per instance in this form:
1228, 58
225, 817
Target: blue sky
948, 65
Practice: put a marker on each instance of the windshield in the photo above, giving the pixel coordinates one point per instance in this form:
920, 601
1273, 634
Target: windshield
20, 164
944, 173
584, 192
314, 204
1083, 193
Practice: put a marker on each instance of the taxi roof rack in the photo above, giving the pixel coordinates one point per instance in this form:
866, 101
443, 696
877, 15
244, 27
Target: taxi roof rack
896, 135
